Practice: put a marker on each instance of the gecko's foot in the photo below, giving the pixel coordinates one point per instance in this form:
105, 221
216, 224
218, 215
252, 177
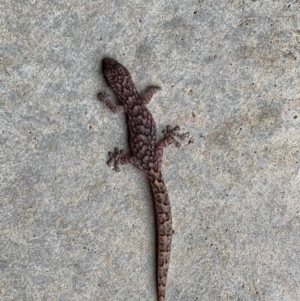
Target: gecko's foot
172, 135
115, 159
102, 96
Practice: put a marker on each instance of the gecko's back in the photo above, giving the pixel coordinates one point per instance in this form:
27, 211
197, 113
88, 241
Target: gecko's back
140, 123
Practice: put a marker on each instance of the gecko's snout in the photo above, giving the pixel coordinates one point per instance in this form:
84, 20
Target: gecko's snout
108, 64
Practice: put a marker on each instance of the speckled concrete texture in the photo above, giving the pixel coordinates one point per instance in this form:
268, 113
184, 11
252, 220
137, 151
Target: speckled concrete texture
71, 229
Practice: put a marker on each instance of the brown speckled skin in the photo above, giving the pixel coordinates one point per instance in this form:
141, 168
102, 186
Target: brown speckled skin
145, 154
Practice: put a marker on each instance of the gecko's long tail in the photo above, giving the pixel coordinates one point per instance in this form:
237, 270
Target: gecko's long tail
164, 232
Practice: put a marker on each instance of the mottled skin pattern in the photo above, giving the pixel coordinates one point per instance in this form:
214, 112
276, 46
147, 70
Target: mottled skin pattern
145, 154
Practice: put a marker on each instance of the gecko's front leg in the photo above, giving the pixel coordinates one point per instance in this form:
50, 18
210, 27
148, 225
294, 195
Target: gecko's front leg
147, 96
102, 96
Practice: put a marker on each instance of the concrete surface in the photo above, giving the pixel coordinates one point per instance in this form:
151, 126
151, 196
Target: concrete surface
72, 229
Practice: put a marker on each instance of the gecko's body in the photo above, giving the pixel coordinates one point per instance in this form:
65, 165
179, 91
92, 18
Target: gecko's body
145, 154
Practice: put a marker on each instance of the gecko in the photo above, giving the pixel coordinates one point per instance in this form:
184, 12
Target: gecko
146, 154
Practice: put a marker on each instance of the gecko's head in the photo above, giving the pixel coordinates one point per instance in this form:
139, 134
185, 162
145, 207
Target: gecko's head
109, 64
116, 75
113, 71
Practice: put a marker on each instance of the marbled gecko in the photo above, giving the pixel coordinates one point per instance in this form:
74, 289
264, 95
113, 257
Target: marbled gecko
145, 153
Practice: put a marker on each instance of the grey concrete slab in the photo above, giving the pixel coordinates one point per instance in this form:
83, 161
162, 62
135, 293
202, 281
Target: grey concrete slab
72, 229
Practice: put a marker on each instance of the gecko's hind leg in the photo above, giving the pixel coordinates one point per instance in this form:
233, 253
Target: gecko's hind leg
117, 157
171, 136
